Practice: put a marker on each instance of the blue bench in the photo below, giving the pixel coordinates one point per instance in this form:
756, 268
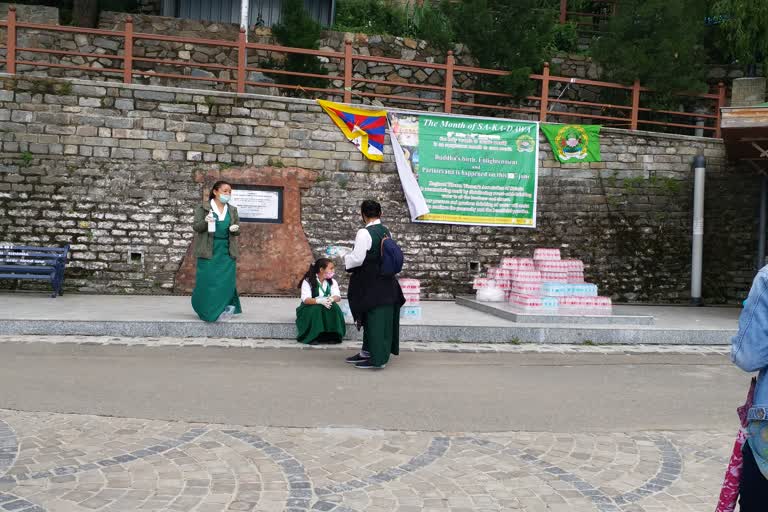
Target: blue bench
34, 263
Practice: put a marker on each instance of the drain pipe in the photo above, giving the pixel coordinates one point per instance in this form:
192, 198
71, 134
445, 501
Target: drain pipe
699, 168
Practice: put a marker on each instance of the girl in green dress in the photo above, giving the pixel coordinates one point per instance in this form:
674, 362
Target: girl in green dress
217, 227
319, 318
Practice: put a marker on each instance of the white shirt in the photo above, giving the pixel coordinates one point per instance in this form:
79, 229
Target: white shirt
363, 243
215, 210
306, 290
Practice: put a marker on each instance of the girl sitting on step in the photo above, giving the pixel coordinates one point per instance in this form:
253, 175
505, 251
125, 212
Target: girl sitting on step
319, 318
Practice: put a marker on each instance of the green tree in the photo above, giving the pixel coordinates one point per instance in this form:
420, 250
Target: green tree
298, 29
743, 27
499, 35
658, 42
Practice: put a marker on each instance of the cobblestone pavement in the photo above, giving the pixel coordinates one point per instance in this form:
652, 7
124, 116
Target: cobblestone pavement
405, 346
61, 463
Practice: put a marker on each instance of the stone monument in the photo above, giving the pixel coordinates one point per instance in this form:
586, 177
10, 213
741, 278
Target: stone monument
274, 251
747, 92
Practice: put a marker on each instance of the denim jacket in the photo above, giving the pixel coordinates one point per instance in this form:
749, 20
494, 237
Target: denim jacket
749, 348
749, 351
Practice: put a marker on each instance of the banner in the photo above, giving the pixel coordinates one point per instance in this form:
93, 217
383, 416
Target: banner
572, 143
467, 170
364, 128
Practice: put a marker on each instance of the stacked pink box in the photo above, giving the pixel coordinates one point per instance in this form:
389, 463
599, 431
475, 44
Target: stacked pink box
521, 279
546, 254
412, 293
517, 264
586, 303
575, 269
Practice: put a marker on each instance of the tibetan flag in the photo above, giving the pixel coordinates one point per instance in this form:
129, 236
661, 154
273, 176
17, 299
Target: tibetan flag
573, 143
364, 128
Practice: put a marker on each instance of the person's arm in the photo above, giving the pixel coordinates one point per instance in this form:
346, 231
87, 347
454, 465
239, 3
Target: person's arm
199, 223
306, 294
363, 242
749, 348
234, 227
335, 291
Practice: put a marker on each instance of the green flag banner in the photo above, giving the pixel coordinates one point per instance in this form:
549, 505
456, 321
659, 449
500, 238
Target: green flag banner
573, 143
467, 170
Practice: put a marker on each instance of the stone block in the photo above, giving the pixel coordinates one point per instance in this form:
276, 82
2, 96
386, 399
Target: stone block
151, 123
154, 95
89, 102
248, 141
177, 109
122, 153
225, 129
217, 139
124, 104
129, 143
107, 44
20, 116
39, 148
119, 122
161, 136
160, 154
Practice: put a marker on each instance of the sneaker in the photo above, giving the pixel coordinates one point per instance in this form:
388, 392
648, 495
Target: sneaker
230, 310
367, 365
357, 358
224, 316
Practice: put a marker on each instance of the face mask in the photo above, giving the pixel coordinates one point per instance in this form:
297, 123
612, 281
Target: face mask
330, 275
224, 198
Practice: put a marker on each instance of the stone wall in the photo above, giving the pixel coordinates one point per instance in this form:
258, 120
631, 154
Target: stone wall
110, 169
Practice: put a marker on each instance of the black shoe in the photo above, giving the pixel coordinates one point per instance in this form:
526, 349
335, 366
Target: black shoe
367, 365
357, 358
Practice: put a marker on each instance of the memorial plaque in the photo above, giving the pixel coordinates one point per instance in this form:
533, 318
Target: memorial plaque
258, 204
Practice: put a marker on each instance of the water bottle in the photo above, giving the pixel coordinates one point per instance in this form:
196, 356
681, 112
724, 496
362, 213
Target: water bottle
336, 251
212, 223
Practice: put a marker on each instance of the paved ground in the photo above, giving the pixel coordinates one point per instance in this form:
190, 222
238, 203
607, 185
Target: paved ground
271, 430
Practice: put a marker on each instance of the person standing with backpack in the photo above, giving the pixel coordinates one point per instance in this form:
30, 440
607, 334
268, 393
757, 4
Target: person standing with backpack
375, 297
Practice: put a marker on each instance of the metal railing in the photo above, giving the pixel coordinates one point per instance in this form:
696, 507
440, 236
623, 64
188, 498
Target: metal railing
445, 96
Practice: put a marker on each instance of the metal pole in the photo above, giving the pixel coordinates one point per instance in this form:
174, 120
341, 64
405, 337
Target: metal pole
699, 165
760, 263
244, 17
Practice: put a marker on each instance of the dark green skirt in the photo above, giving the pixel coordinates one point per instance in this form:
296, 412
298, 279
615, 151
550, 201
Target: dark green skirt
381, 333
316, 323
215, 285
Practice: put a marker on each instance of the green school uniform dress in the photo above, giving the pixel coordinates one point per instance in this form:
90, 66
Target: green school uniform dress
316, 323
215, 282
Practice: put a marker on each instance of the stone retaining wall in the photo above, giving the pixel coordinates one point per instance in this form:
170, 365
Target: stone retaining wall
109, 168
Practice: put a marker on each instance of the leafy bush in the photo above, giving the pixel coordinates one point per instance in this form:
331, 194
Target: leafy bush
298, 29
565, 38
